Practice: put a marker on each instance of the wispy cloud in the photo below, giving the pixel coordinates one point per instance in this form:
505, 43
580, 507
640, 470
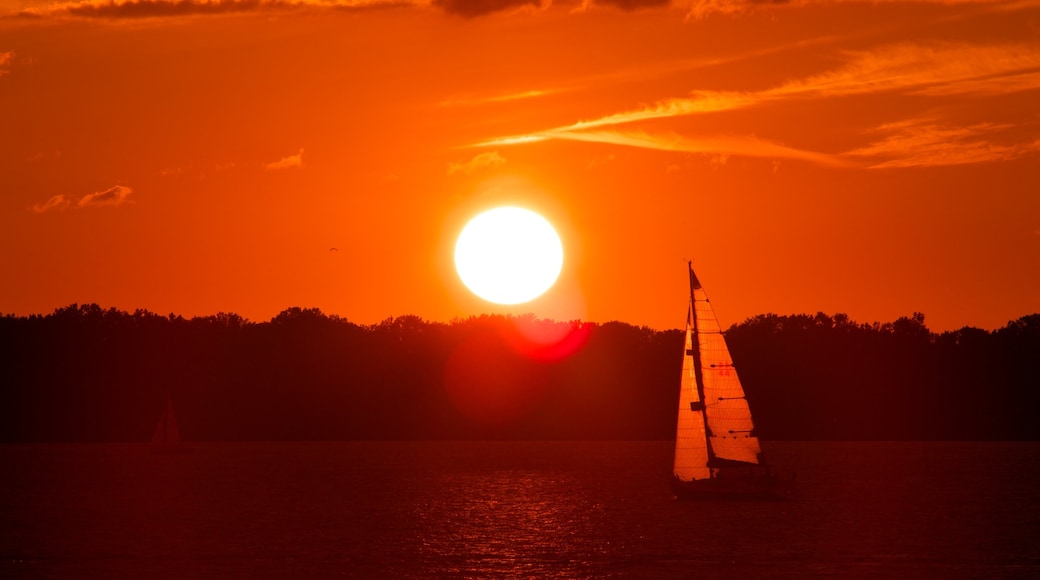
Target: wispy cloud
939, 68
128, 9
597, 131
58, 202
477, 163
582, 6
927, 69
287, 162
933, 69
749, 146
645, 72
986, 86
700, 102
137, 9
634, 4
473, 8
6, 58
114, 196
928, 143
517, 139
705, 8
500, 98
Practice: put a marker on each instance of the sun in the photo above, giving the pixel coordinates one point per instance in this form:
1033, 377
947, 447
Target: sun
508, 255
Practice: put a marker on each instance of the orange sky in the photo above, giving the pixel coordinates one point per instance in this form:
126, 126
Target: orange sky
873, 158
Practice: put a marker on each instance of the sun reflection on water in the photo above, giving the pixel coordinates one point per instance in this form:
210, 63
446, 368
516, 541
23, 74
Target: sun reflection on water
508, 523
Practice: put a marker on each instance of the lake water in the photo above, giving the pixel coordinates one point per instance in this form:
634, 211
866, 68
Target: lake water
512, 510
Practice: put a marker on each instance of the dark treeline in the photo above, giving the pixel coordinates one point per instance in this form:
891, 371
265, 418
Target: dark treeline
85, 373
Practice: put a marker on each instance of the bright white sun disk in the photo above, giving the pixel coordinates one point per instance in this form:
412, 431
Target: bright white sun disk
508, 255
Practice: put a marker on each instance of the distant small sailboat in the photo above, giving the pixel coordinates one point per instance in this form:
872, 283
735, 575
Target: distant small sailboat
167, 437
717, 455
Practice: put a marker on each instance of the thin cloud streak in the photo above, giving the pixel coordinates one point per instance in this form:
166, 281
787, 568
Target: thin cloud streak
749, 146
505, 98
518, 140
705, 102
702, 102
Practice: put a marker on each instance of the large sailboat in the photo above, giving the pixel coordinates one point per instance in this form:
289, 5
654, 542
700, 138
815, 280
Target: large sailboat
717, 455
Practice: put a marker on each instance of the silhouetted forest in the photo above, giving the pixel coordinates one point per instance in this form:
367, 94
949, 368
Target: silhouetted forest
84, 373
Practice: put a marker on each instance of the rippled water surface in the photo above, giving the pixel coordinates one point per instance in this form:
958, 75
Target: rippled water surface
512, 510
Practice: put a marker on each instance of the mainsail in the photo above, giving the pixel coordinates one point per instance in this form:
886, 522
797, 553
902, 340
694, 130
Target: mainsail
714, 424
167, 435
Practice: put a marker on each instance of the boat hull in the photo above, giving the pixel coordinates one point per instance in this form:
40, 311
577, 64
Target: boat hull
744, 483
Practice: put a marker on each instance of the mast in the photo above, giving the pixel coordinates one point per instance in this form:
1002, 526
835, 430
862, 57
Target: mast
166, 432
698, 371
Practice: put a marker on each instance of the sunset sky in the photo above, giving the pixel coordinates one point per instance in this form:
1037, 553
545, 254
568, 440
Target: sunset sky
194, 157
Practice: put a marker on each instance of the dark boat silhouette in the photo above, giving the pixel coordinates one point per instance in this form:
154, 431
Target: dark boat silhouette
167, 437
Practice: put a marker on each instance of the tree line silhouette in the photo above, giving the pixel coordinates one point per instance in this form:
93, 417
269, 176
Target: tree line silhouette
85, 373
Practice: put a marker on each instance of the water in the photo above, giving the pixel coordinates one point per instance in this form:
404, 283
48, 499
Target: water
512, 510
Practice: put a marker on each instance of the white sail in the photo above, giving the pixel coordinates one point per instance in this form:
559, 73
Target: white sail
728, 415
691, 445
714, 420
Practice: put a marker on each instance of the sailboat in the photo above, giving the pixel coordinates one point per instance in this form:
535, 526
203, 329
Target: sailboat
717, 455
167, 437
